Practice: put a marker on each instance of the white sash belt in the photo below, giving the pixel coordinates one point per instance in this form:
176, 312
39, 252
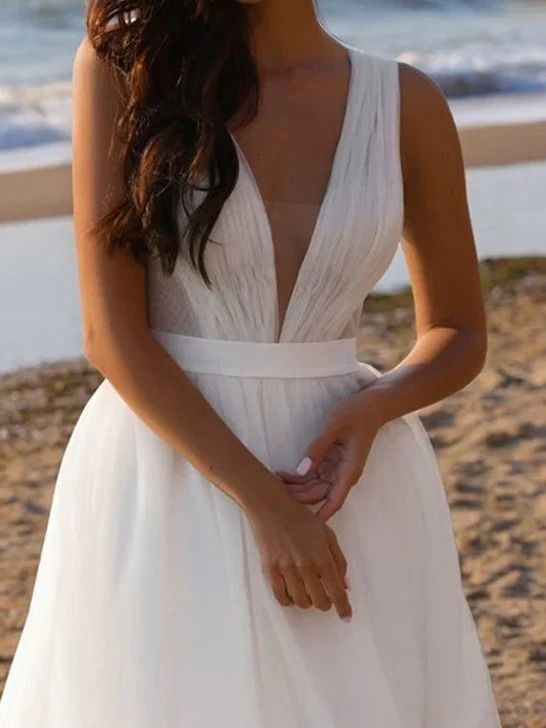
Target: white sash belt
261, 359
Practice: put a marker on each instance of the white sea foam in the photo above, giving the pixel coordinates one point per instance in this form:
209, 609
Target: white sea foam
476, 48
34, 115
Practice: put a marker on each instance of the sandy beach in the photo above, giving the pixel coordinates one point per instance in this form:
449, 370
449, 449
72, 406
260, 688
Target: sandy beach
490, 440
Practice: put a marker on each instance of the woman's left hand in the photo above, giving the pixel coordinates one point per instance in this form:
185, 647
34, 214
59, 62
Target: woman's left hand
336, 458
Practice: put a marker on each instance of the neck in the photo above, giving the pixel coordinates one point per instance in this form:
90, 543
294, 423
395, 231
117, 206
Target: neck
287, 34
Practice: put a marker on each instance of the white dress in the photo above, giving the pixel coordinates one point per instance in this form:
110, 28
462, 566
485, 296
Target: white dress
149, 608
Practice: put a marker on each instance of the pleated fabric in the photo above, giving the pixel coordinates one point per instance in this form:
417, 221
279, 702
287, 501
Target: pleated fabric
150, 609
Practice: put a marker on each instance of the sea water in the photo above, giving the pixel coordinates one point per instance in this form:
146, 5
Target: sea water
472, 47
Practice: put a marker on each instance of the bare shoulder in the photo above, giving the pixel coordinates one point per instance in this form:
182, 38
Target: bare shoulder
421, 97
91, 71
427, 126
96, 160
86, 61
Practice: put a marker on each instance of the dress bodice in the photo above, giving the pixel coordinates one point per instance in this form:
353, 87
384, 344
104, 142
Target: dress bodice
356, 234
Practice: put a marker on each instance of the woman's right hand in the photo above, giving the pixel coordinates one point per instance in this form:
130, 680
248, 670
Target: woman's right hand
300, 555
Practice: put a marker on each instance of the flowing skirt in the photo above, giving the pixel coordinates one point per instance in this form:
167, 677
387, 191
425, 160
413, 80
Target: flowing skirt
150, 608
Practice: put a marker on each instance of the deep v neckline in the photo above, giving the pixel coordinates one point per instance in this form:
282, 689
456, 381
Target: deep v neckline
281, 325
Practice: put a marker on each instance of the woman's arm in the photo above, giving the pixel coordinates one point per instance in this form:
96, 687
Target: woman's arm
451, 340
117, 340
440, 252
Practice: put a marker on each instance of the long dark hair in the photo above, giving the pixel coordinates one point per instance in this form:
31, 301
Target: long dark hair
185, 69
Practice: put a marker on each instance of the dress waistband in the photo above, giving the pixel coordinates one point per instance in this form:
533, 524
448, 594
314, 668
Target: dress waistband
261, 359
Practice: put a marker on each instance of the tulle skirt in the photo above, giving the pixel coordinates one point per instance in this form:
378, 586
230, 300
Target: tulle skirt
150, 608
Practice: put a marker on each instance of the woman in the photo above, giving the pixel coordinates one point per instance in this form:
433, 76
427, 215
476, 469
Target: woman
249, 528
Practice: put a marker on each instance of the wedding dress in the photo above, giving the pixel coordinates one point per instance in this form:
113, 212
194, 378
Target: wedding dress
149, 608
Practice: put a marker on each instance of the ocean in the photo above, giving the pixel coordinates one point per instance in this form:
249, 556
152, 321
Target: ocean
470, 47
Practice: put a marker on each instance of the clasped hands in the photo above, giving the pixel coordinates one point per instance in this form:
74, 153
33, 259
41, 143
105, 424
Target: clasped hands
335, 460
300, 552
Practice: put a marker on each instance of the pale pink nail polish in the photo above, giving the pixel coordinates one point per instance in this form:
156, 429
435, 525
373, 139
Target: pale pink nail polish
304, 465
348, 582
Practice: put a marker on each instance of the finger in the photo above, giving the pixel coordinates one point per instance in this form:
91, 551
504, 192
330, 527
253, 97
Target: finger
311, 495
326, 470
316, 486
316, 451
332, 503
347, 475
337, 553
294, 477
335, 587
321, 478
296, 587
328, 466
315, 588
311, 483
280, 589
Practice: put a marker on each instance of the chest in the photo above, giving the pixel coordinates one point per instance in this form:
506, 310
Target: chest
290, 145
300, 241
290, 159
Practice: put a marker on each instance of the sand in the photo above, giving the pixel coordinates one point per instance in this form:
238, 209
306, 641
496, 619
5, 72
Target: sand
501, 128
39, 192
491, 144
490, 440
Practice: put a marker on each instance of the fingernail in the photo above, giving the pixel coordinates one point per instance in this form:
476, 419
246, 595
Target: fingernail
346, 619
304, 465
348, 582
